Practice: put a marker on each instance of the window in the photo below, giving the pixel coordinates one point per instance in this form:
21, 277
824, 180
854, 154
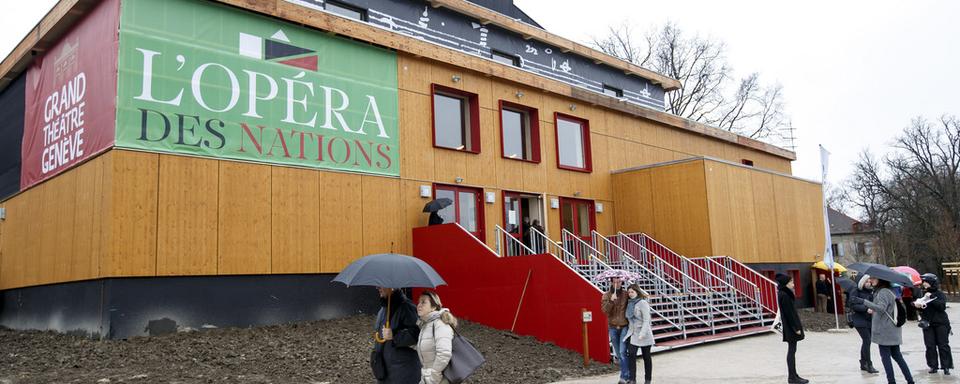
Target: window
861, 249
835, 248
346, 10
747, 162
466, 209
505, 58
456, 119
519, 132
611, 91
770, 274
573, 143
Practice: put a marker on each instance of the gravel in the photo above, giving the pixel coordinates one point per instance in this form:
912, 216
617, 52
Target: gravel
331, 351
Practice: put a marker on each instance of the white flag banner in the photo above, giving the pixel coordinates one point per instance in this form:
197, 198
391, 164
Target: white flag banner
828, 249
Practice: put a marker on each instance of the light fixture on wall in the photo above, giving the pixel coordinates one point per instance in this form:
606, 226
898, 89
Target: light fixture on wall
576, 193
455, 78
599, 207
491, 197
554, 203
426, 191
458, 179
3, 213
519, 94
573, 107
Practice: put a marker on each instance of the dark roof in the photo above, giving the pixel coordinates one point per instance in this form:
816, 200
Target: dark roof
841, 224
507, 7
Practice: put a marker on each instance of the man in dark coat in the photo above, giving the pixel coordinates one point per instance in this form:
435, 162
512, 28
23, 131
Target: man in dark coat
792, 328
936, 337
823, 293
395, 344
861, 320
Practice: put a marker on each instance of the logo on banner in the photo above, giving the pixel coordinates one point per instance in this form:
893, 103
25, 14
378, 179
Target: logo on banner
254, 89
278, 49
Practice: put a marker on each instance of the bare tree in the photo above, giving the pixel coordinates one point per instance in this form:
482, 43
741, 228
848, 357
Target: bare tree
707, 92
913, 194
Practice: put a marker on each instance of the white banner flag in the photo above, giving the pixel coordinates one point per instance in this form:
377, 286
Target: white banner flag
828, 249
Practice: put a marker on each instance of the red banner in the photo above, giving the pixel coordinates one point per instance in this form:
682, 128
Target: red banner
71, 96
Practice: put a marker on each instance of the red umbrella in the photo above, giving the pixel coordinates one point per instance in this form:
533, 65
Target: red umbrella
914, 275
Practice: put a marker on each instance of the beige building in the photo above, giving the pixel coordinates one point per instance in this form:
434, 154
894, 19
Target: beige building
852, 240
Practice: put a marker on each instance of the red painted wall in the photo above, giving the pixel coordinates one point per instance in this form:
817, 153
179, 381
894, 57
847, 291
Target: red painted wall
486, 289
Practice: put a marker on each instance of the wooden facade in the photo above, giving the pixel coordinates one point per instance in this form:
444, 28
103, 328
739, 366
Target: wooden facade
129, 213
706, 207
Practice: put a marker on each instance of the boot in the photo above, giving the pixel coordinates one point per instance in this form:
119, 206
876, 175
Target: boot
863, 366
946, 371
797, 380
932, 370
870, 368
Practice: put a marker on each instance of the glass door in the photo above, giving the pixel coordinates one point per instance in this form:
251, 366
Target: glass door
578, 217
467, 207
520, 213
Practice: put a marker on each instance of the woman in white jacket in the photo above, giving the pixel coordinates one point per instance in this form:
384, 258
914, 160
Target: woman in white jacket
639, 333
436, 338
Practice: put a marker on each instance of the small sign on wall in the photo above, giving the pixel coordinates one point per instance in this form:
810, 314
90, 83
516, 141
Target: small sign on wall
587, 316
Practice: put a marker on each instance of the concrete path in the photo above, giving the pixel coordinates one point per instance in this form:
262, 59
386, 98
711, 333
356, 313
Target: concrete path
823, 358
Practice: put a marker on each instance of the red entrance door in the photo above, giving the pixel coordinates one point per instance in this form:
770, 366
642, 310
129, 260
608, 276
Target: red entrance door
578, 217
467, 207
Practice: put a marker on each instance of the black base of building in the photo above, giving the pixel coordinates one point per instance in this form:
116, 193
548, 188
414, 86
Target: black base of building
119, 308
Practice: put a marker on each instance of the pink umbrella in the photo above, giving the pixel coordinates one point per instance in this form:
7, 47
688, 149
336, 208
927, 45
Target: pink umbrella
914, 275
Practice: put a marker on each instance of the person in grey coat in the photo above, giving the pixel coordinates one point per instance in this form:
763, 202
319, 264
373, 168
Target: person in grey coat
883, 328
862, 320
639, 333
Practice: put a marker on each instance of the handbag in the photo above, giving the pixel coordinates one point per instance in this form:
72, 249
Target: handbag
464, 360
777, 325
923, 324
377, 365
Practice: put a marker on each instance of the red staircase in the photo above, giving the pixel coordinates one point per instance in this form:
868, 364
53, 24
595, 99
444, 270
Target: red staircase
536, 295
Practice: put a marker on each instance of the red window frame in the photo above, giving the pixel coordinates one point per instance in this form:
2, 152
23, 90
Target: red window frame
473, 104
478, 192
769, 273
797, 284
533, 118
585, 134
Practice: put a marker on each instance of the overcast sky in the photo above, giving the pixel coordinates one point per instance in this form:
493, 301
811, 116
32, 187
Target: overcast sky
854, 72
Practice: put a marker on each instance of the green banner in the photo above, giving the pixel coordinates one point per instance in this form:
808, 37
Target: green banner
208, 80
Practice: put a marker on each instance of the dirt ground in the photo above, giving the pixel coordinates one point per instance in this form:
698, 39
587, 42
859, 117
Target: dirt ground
819, 322
334, 351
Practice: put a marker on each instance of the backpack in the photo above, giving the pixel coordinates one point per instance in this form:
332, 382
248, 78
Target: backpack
900, 312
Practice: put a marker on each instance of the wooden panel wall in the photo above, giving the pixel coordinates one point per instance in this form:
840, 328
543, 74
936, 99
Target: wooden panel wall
704, 207
142, 214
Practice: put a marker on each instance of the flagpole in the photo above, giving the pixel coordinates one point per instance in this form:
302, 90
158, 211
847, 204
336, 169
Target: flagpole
828, 250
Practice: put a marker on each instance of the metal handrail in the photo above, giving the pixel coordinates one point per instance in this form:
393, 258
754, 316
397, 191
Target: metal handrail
687, 262
567, 236
741, 281
513, 247
687, 278
771, 286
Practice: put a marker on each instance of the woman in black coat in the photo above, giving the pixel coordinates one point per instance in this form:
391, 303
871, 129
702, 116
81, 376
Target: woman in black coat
792, 328
394, 345
936, 337
861, 320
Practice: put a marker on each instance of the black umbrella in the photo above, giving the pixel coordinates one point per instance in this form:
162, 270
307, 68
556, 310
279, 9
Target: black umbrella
390, 270
884, 273
860, 267
847, 284
437, 204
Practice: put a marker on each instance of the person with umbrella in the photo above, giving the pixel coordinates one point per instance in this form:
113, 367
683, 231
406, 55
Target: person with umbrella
936, 334
861, 319
883, 326
394, 359
614, 305
434, 208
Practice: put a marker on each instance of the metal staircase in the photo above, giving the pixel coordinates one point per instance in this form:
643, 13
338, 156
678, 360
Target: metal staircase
692, 300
